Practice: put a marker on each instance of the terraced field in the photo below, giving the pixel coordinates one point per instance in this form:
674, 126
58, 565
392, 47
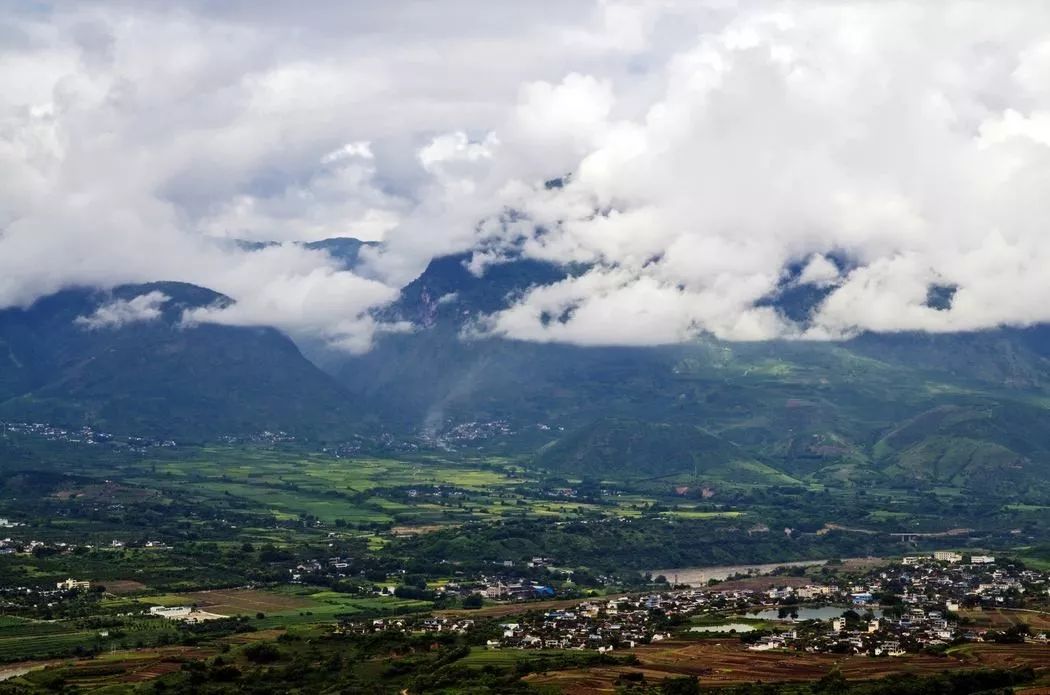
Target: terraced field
22, 639
43, 645
288, 485
245, 601
126, 667
730, 663
1002, 618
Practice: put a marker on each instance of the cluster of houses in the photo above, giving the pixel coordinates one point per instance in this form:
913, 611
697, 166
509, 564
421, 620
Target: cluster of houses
893, 610
338, 567
408, 625
868, 634
12, 546
9, 546
264, 437
597, 625
923, 598
498, 586
83, 435
29, 599
950, 581
476, 431
926, 604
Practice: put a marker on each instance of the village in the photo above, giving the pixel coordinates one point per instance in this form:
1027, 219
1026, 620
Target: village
83, 435
11, 546
918, 604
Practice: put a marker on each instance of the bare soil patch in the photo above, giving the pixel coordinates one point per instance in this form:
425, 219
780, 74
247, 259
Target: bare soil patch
121, 586
419, 530
730, 663
245, 601
1001, 618
519, 608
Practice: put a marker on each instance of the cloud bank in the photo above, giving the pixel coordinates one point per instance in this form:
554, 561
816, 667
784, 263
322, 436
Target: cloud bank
712, 147
120, 312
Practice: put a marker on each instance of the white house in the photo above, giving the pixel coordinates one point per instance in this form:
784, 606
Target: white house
72, 584
171, 612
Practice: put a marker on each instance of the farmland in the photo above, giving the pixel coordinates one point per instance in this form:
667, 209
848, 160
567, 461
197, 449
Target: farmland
1000, 618
34, 639
236, 602
288, 543
723, 663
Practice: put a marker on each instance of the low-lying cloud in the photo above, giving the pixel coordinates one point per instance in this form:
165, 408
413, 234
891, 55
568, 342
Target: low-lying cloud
716, 152
121, 312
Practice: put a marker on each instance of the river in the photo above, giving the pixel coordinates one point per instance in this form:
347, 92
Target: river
699, 576
16, 671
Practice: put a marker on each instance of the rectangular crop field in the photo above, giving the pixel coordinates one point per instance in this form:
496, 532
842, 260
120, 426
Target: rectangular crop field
245, 601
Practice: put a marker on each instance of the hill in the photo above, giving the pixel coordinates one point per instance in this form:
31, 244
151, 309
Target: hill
614, 448
966, 410
123, 361
813, 411
986, 447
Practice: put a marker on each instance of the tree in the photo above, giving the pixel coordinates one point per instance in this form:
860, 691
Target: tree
683, 685
261, 653
832, 684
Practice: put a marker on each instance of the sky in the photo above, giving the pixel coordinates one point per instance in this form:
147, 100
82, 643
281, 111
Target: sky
708, 147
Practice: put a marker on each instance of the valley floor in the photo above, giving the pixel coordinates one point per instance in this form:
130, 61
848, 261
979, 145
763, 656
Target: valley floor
246, 567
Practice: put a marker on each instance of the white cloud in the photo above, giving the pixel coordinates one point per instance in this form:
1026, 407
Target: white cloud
820, 271
305, 291
132, 136
711, 145
455, 147
120, 312
350, 150
909, 137
616, 307
338, 199
454, 160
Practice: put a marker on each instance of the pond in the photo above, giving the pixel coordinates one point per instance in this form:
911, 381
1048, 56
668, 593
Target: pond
728, 627
811, 612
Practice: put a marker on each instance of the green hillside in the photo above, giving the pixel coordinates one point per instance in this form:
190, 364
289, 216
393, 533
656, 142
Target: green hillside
613, 448
160, 377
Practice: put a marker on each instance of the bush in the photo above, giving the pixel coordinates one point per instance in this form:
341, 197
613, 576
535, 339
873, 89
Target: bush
685, 685
262, 653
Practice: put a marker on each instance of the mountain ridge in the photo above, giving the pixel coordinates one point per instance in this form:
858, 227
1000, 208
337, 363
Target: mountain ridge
157, 374
873, 408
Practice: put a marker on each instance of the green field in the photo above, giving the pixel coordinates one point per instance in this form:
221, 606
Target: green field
331, 607
22, 639
480, 657
288, 485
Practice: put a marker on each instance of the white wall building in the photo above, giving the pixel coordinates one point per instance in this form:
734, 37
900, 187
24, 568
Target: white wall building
72, 584
171, 612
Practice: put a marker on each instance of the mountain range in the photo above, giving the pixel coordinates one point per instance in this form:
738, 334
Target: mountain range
61, 363
958, 409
